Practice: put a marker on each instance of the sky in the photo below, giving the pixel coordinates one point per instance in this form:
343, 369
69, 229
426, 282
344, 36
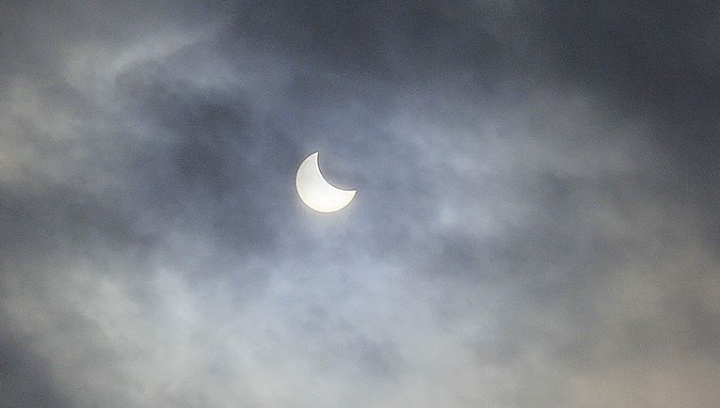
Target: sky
536, 219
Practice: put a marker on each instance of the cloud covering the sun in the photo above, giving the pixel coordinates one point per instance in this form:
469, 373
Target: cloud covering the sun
535, 224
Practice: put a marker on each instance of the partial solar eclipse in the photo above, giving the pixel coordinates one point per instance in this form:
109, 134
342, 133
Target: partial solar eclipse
316, 192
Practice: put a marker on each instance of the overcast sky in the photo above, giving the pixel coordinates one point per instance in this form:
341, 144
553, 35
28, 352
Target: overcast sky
536, 222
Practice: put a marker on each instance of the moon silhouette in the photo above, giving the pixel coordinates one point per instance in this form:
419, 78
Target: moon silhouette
316, 192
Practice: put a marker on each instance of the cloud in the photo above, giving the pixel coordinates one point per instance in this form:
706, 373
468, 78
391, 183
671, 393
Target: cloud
533, 225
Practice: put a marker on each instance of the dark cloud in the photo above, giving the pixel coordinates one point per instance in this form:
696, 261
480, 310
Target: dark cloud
535, 225
26, 379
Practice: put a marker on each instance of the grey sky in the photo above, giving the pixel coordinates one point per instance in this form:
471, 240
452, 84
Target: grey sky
536, 223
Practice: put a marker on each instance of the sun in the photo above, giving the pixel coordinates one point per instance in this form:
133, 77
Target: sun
316, 192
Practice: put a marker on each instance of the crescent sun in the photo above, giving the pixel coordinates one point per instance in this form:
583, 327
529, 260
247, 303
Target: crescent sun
316, 192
